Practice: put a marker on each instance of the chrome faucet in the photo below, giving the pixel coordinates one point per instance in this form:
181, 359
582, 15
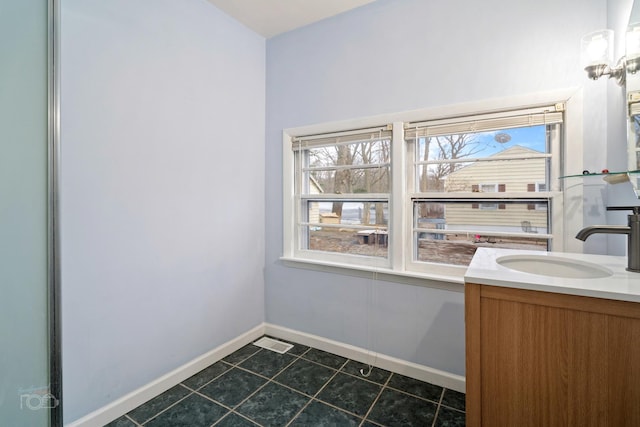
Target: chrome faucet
632, 231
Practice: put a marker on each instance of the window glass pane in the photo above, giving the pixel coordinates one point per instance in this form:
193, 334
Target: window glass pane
373, 213
450, 232
516, 175
349, 181
331, 228
456, 167
361, 167
483, 144
489, 188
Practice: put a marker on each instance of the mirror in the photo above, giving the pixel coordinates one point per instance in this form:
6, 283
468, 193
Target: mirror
633, 96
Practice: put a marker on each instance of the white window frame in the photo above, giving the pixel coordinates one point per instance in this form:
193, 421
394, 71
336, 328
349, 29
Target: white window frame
302, 197
400, 265
497, 120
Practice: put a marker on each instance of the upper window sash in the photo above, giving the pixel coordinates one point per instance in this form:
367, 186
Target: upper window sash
549, 157
343, 163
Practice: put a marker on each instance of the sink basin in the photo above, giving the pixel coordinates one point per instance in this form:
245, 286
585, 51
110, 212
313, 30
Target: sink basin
546, 265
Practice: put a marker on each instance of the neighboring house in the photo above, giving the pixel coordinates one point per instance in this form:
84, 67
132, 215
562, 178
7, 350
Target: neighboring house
526, 175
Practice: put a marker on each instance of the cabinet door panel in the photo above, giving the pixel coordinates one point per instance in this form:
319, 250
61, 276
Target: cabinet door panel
524, 362
623, 361
586, 368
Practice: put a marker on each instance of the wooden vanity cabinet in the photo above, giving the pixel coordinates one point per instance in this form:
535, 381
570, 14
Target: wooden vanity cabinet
545, 359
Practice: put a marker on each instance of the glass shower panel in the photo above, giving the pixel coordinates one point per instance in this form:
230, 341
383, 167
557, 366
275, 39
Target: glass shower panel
25, 399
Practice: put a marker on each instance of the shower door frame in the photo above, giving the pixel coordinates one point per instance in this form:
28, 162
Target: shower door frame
53, 211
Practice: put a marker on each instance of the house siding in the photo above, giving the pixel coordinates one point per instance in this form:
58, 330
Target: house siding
510, 175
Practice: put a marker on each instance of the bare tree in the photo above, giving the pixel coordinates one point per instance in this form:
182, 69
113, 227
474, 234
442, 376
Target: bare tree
452, 147
342, 180
383, 179
449, 147
374, 180
354, 179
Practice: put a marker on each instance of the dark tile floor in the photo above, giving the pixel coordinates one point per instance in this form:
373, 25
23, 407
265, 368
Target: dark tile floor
303, 387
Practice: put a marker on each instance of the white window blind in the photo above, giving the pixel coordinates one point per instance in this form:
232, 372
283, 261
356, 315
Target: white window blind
490, 122
342, 138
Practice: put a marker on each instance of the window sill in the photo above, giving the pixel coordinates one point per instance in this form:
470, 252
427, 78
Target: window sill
453, 283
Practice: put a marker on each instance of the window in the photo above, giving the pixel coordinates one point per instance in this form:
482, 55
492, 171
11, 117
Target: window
540, 186
342, 185
474, 177
422, 196
487, 188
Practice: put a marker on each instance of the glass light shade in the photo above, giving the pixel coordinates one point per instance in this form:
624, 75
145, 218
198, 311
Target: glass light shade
597, 48
633, 41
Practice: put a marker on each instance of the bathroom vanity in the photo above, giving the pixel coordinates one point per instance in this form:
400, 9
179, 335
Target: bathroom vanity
551, 349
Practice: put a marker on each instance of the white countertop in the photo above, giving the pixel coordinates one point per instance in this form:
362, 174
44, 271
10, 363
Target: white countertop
621, 285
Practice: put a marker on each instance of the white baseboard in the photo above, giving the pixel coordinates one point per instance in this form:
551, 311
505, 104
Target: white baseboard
119, 407
399, 366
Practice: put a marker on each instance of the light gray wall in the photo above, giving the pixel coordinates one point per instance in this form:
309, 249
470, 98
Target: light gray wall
393, 56
162, 190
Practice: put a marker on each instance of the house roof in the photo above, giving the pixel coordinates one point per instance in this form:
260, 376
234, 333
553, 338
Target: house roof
316, 184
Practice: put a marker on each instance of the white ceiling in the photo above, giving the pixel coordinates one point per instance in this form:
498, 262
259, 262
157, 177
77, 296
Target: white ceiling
272, 17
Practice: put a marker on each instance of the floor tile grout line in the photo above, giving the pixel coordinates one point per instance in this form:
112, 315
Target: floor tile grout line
435, 416
315, 397
326, 366
232, 409
170, 406
249, 371
246, 418
246, 358
415, 395
208, 382
337, 371
293, 389
227, 407
452, 408
364, 419
237, 366
340, 369
269, 380
449, 406
242, 368
375, 423
306, 360
235, 413
364, 378
192, 392
249, 397
336, 407
296, 357
318, 399
303, 355
132, 420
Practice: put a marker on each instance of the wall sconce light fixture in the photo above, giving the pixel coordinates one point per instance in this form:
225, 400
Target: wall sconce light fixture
596, 54
633, 48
